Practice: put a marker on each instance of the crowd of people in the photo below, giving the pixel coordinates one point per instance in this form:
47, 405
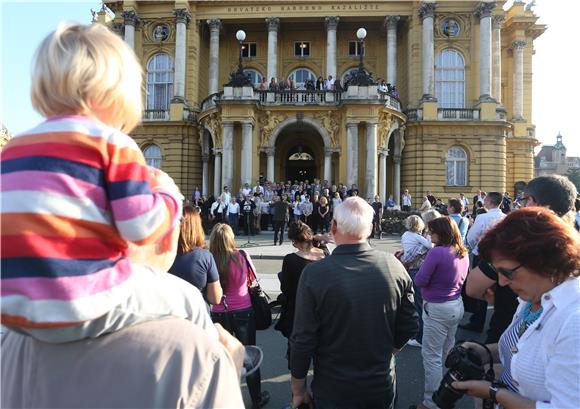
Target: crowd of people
91, 318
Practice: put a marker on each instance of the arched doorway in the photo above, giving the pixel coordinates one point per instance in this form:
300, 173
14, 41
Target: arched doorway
299, 153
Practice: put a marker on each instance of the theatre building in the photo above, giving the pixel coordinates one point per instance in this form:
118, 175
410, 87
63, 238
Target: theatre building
459, 121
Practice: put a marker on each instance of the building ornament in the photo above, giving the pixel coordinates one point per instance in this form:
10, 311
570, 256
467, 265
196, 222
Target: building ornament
267, 123
383, 152
330, 121
273, 23
213, 124
391, 22
484, 9
130, 18
497, 21
385, 121
331, 22
427, 9
269, 151
518, 44
452, 26
182, 16
214, 24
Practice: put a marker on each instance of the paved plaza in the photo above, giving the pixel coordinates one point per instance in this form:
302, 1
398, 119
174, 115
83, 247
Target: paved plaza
275, 373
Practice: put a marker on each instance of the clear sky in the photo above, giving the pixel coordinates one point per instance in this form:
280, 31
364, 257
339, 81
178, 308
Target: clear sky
556, 63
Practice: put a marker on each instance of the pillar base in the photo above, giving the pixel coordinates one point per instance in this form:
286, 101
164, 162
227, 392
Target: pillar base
429, 110
428, 98
486, 98
176, 111
487, 110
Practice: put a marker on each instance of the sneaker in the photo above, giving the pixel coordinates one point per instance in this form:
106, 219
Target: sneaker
264, 399
414, 343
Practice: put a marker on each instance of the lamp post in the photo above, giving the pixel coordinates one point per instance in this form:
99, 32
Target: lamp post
238, 78
361, 77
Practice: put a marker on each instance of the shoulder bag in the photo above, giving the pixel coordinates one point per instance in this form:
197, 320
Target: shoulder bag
260, 300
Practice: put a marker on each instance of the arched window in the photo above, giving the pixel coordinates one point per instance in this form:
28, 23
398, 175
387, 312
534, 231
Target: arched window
456, 161
254, 75
159, 82
450, 79
152, 155
300, 76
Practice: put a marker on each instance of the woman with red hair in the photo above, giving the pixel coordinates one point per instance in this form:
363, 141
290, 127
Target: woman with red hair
538, 256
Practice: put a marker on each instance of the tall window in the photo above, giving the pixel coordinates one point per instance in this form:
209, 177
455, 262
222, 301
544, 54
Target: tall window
302, 49
450, 79
354, 48
300, 76
248, 50
254, 76
159, 82
456, 167
152, 155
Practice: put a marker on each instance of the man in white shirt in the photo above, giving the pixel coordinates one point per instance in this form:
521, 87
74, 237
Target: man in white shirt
329, 84
257, 189
483, 223
246, 189
233, 213
225, 197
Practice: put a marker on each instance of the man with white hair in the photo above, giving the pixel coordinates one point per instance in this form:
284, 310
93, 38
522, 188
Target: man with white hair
354, 311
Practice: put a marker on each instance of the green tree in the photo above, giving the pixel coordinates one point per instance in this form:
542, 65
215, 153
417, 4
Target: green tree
574, 175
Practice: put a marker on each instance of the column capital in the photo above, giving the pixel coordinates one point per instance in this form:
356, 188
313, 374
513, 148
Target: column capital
214, 24
217, 151
352, 124
518, 44
269, 151
247, 124
130, 18
383, 152
497, 21
182, 16
273, 23
205, 157
391, 22
427, 9
331, 22
484, 9
330, 151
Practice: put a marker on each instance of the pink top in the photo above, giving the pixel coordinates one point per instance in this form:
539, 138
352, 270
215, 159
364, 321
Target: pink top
237, 296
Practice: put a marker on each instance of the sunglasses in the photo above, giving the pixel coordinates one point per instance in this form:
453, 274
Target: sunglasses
506, 272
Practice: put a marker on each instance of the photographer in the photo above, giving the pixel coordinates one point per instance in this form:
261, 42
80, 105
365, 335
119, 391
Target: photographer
538, 256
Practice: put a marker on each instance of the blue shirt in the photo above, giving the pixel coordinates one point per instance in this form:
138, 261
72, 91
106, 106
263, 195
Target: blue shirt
462, 223
197, 267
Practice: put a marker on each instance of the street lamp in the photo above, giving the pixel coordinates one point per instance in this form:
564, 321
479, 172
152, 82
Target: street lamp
238, 78
361, 77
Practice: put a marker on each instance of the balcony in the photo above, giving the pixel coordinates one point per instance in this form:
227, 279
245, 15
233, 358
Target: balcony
457, 114
299, 97
156, 115
210, 101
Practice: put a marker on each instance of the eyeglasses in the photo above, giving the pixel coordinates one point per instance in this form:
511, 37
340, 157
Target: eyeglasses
506, 272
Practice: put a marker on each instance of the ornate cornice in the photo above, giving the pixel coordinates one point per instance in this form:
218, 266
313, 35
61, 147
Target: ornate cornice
484, 9
331, 22
182, 16
391, 22
427, 9
130, 18
273, 23
214, 24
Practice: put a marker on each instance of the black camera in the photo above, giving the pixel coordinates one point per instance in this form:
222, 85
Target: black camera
464, 365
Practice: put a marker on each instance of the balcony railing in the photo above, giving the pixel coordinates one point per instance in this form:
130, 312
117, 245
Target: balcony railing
414, 114
390, 101
210, 101
156, 115
299, 97
457, 114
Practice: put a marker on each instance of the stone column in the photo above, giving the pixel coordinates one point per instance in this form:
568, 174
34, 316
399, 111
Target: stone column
397, 179
214, 54
331, 25
484, 13
391, 24
427, 14
496, 91
383, 153
327, 164
270, 152
351, 153
518, 91
182, 19
371, 170
217, 172
228, 155
130, 20
246, 157
205, 174
273, 27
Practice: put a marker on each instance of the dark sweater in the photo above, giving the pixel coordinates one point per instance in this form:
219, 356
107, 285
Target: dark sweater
352, 309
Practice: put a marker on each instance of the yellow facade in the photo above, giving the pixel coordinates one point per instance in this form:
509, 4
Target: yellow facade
415, 137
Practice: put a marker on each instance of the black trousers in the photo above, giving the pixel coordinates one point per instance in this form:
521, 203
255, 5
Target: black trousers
279, 229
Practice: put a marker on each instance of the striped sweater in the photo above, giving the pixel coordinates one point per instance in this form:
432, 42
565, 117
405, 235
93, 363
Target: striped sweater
74, 193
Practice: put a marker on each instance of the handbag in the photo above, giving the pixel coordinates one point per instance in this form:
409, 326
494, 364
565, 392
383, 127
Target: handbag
260, 300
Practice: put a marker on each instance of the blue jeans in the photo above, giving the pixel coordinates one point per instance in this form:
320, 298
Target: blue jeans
242, 325
418, 304
234, 222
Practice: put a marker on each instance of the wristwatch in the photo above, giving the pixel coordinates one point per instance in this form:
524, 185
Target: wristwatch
493, 389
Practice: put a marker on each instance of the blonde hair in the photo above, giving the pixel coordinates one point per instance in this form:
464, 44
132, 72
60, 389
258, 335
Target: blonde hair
86, 70
414, 224
223, 248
